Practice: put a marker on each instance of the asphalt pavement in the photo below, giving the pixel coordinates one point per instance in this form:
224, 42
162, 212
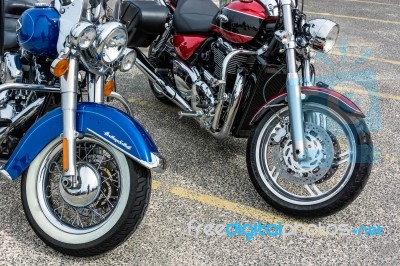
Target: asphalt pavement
207, 181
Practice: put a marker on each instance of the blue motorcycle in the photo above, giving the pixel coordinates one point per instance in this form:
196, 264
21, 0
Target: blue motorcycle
85, 166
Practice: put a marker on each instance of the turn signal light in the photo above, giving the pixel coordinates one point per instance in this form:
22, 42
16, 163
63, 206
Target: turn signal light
59, 67
109, 87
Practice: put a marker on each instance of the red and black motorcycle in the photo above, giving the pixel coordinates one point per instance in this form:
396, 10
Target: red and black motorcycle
246, 69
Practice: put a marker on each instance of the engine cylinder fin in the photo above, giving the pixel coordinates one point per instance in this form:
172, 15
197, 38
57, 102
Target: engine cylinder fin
219, 56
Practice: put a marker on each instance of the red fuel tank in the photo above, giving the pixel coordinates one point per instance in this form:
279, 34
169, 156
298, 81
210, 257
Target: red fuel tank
244, 19
186, 45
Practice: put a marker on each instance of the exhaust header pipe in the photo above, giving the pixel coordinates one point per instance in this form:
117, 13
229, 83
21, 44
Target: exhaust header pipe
144, 65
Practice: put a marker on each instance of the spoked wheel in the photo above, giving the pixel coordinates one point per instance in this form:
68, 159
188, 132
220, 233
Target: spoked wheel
338, 163
99, 214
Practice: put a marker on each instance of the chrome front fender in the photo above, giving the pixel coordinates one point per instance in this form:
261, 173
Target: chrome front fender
106, 123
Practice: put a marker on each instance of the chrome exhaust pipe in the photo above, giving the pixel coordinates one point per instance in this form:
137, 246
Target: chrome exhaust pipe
233, 107
144, 65
27, 87
21, 118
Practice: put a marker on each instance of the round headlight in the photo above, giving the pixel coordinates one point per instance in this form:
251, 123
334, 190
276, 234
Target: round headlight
83, 34
128, 60
111, 41
324, 34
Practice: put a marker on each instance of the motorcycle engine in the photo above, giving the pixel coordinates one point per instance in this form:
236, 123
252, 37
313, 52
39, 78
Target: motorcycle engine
198, 84
12, 103
220, 50
18, 107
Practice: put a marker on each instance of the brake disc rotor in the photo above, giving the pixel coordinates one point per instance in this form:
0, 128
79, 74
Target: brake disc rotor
336, 150
320, 155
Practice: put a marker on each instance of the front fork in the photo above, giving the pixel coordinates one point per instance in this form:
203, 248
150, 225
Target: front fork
293, 87
69, 87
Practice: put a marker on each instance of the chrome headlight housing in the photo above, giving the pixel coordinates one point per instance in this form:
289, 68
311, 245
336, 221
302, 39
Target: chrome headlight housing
128, 60
323, 33
111, 42
83, 34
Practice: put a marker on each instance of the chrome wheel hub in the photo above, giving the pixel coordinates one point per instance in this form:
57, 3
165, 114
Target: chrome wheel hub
320, 155
88, 189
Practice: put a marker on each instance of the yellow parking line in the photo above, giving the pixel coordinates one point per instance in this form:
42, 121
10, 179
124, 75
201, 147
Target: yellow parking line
351, 17
233, 207
151, 104
228, 205
365, 92
377, 3
223, 204
155, 184
387, 61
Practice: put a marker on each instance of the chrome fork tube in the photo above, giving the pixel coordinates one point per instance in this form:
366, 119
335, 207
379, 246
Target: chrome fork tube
293, 87
68, 104
307, 76
96, 88
307, 73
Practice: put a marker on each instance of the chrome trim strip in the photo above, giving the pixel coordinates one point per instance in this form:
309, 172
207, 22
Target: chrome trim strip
4, 173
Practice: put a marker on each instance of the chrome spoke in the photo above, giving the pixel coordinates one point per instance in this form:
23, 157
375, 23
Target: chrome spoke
78, 218
341, 162
56, 165
93, 216
338, 159
62, 211
276, 175
313, 190
107, 199
68, 212
316, 189
110, 178
323, 119
101, 161
307, 187
87, 153
51, 192
316, 178
343, 154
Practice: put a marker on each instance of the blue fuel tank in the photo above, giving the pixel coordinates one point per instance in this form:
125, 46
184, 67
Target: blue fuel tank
38, 30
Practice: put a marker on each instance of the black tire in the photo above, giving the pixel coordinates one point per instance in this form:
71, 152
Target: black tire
161, 97
112, 231
352, 188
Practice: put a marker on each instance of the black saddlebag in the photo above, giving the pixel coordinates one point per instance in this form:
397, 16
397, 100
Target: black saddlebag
144, 20
12, 10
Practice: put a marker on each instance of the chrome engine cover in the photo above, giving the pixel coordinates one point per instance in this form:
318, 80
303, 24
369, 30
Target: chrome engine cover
191, 86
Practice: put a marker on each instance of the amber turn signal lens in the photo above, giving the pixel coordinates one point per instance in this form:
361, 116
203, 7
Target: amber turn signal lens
109, 87
65, 155
59, 67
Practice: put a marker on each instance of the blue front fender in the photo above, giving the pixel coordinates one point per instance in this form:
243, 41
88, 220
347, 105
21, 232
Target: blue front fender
106, 123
